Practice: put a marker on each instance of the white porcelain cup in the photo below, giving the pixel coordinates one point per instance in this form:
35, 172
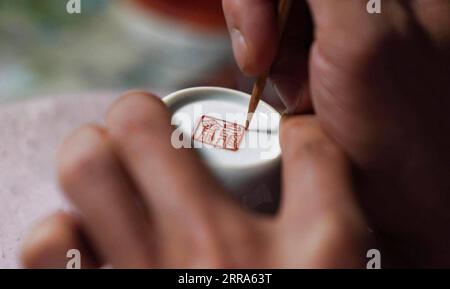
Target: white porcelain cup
210, 120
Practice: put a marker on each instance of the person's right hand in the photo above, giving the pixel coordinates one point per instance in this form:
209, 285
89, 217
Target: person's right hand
380, 87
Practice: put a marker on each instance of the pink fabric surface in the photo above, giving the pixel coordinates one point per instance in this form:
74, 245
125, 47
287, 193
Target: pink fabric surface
30, 133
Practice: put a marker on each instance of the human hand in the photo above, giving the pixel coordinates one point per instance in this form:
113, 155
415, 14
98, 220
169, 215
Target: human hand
143, 203
379, 85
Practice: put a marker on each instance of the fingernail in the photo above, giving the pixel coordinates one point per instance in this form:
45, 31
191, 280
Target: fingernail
239, 47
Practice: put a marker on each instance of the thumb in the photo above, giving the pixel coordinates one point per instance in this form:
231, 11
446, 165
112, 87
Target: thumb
318, 209
316, 175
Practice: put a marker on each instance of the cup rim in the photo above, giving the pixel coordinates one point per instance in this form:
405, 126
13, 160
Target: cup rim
172, 98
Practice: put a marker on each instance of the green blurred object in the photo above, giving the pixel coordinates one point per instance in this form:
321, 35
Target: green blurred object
49, 12
111, 45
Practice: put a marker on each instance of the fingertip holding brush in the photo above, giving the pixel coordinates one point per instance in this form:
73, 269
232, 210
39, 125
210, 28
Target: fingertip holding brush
260, 83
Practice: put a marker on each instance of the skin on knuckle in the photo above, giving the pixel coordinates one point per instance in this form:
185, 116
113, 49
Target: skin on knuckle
135, 113
307, 139
82, 152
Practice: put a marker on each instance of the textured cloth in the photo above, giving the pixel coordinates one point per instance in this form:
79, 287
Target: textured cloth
30, 133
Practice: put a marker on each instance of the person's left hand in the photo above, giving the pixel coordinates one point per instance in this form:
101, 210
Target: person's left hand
143, 203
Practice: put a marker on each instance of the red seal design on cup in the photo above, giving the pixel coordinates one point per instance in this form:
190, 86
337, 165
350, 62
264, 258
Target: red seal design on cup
219, 133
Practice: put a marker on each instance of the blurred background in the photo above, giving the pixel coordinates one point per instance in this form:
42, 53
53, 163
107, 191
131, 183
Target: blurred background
158, 45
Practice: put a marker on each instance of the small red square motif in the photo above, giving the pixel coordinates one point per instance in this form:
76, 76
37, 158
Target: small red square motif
219, 133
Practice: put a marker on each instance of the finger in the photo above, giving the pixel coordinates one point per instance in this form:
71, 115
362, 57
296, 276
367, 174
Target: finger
93, 179
47, 245
289, 72
252, 25
318, 194
340, 17
348, 24
187, 203
433, 15
140, 127
316, 174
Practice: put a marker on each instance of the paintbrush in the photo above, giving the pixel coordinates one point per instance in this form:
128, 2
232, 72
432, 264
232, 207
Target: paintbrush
260, 84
